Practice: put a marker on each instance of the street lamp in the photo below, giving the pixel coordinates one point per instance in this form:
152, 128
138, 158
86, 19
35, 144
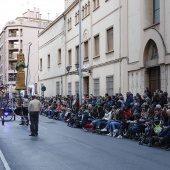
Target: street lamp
29, 44
68, 68
77, 66
80, 73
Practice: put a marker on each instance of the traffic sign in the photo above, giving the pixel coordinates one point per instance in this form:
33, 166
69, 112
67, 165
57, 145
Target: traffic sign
43, 88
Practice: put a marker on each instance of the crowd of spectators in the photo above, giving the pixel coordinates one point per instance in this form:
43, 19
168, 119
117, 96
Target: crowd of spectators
118, 116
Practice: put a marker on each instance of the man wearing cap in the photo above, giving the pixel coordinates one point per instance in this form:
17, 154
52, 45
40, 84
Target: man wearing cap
34, 109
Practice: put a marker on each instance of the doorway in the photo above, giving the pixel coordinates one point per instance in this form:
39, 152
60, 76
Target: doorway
86, 85
154, 79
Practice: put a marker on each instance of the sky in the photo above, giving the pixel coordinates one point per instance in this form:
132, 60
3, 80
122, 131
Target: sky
11, 9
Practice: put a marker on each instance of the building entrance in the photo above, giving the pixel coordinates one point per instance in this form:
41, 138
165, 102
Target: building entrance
86, 85
154, 79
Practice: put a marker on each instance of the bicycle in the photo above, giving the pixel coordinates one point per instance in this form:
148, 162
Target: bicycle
7, 110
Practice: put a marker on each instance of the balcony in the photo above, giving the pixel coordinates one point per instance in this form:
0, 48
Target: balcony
11, 69
12, 57
13, 35
13, 46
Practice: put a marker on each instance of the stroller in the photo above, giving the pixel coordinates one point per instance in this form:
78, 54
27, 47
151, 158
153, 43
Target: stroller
151, 135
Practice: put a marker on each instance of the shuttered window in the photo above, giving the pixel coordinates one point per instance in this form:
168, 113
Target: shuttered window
69, 89
96, 46
96, 87
57, 88
110, 39
109, 85
76, 87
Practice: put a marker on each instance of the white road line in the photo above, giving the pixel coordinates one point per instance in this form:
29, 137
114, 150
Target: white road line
81, 143
69, 138
43, 127
4, 161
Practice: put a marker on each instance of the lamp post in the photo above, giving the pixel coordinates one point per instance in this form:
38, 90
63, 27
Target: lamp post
29, 44
80, 73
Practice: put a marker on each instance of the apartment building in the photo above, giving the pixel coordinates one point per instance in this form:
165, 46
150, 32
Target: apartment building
21, 35
125, 47
2, 40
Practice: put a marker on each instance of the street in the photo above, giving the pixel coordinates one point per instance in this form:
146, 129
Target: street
59, 147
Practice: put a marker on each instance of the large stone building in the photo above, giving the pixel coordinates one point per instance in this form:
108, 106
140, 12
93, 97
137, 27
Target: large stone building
21, 34
125, 47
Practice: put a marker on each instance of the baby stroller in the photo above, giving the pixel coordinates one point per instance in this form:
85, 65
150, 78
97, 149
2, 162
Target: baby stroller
150, 137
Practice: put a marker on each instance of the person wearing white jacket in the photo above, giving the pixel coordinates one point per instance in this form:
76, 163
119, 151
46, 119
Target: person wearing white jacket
107, 116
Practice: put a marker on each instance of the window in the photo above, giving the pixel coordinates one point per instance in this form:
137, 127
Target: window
69, 89
57, 88
49, 61
86, 50
69, 24
41, 64
76, 87
59, 56
95, 4
88, 7
96, 87
86, 10
69, 58
109, 85
156, 11
76, 17
96, 46
110, 39
77, 54
83, 12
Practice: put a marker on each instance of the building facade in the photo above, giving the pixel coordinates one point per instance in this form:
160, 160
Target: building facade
21, 35
125, 47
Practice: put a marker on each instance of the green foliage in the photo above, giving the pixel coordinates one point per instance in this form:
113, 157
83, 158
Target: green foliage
20, 64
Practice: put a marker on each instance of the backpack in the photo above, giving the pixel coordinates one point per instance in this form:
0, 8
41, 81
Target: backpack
157, 129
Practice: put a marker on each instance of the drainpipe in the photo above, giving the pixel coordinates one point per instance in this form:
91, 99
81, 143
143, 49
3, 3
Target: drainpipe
65, 48
80, 59
120, 62
92, 45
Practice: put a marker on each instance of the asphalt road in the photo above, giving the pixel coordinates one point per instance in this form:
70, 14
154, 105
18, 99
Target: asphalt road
59, 147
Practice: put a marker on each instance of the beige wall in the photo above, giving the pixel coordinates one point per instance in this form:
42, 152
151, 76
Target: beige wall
133, 28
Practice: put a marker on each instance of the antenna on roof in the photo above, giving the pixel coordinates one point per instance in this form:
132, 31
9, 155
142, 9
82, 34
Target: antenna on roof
48, 16
27, 4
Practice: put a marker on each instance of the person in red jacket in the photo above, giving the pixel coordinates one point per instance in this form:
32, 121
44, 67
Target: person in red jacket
126, 111
58, 110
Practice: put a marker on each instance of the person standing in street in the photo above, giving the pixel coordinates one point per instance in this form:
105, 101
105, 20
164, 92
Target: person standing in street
33, 110
25, 110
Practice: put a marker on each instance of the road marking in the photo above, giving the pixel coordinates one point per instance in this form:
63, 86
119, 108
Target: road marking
74, 140
81, 143
69, 138
43, 127
4, 161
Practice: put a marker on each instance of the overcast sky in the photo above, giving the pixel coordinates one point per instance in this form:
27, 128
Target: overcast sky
10, 9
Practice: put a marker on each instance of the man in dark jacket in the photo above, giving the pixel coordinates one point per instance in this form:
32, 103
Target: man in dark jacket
129, 98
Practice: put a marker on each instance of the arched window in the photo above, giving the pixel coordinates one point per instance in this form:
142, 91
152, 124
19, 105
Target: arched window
76, 18
88, 7
70, 23
83, 12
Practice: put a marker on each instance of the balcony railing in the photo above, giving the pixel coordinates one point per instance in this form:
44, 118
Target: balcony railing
13, 46
12, 57
13, 35
12, 68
